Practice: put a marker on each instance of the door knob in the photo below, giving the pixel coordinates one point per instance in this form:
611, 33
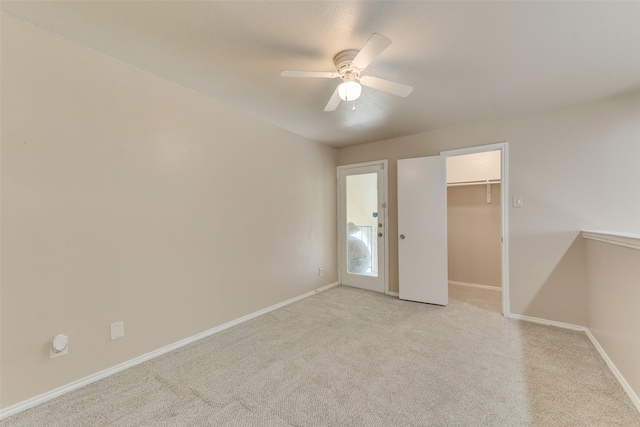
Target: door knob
402, 236
379, 234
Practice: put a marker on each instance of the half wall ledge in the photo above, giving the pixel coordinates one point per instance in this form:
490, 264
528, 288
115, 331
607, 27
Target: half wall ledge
629, 240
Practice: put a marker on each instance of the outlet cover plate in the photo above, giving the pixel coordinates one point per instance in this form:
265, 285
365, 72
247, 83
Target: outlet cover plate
53, 354
117, 330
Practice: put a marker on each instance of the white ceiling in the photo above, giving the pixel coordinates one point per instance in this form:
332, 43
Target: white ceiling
467, 60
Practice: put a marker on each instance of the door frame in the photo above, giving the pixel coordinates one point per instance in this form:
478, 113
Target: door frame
385, 206
504, 196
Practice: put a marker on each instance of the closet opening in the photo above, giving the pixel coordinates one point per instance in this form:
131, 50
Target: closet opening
476, 226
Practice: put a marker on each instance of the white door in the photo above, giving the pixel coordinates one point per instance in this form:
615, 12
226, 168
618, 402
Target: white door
362, 225
422, 230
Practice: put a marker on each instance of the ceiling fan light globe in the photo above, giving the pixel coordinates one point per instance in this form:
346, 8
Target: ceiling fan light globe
349, 91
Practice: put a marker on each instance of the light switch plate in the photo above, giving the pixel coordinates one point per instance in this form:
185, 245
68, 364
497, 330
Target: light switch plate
117, 330
517, 201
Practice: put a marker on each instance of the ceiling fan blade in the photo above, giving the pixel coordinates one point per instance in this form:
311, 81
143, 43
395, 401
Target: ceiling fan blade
333, 102
371, 49
386, 85
320, 74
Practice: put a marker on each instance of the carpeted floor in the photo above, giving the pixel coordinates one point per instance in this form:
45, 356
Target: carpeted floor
349, 357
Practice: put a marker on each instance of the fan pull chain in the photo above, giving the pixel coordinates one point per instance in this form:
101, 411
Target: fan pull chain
354, 105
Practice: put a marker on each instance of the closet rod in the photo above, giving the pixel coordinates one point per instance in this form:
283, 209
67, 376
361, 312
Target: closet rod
458, 184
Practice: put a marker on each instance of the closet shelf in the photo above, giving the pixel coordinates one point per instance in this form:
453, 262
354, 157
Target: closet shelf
458, 184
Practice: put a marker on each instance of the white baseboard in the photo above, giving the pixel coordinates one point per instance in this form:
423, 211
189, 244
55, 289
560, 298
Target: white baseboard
616, 373
475, 285
546, 322
625, 385
393, 294
29, 403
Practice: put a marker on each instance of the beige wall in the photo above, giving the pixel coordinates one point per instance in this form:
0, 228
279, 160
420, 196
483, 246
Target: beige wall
127, 197
474, 231
613, 295
576, 167
484, 166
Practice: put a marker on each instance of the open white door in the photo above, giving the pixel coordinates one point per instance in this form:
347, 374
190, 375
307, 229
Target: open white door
422, 229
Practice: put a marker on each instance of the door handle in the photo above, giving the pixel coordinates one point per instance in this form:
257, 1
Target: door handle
402, 236
379, 234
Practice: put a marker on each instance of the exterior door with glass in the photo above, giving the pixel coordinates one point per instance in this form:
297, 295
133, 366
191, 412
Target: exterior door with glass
362, 225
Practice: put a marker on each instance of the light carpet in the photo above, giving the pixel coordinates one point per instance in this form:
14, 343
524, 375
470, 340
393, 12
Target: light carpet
349, 357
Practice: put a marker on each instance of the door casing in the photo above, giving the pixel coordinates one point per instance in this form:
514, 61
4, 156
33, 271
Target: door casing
504, 196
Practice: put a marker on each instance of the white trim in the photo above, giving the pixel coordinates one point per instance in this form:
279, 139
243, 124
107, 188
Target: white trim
29, 403
627, 240
392, 294
474, 149
385, 224
385, 192
363, 164
625, 385
504, 195
475, 285
546, 322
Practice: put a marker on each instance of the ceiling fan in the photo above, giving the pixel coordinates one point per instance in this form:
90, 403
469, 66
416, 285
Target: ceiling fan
349, 65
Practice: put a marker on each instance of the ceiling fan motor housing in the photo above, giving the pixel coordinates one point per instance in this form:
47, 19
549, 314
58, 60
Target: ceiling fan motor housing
343, 62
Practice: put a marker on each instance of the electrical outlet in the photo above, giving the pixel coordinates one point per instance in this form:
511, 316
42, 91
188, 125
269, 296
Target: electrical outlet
117, 330
321, 271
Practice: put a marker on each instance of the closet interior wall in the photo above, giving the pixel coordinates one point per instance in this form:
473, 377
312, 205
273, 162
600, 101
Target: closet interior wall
474, 233
474, 218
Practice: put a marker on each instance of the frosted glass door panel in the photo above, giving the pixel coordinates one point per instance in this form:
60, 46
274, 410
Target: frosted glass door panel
362, 224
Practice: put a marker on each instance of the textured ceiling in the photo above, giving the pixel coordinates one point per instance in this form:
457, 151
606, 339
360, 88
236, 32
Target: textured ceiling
467, 60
